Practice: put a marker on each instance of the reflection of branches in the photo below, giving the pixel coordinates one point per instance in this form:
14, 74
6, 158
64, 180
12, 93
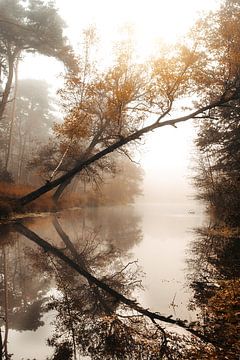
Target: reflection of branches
81, 261
173, 304
67, 241
68, 304
5, 341
124, 268
215, 285
132, 304
164, 344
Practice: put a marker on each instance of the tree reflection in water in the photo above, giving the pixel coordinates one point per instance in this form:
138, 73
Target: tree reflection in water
94, 284
214, 267
22, 289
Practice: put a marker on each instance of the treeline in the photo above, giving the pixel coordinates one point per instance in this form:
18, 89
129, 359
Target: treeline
215, 253
218, 178
35, 147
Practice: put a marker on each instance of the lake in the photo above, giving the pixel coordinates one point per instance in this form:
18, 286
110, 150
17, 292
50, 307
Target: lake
145, 246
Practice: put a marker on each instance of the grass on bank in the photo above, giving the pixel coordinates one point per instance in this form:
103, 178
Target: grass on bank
10, 192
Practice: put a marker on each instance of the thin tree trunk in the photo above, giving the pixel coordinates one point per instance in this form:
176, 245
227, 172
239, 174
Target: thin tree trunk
58, 193
67, 242
6, 92
60, 163
20, 164
13, 114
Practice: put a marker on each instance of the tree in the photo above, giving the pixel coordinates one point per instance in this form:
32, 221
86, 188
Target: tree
127, 94
218, 144
216, 249
33, 121
218, 136
35, 27
214, 279
97, 103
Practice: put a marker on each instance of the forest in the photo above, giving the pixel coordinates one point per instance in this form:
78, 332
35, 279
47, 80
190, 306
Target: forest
68, 155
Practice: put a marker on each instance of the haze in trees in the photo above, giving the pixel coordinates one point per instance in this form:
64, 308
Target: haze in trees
32, 27
124, 96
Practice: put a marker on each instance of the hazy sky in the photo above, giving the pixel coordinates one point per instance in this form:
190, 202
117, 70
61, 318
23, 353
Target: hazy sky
166, 154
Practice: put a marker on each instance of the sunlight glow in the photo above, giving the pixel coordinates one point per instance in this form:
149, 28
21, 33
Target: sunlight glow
152, 19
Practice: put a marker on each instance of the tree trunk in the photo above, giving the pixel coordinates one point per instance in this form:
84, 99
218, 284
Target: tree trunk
6, 92
21, 160
68, 242
58, 193
12, 120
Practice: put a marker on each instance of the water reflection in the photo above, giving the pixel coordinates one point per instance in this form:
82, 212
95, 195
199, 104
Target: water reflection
82, 275
214, 272
25, 287
28, 273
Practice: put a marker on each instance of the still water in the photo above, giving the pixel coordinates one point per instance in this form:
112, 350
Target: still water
145, 246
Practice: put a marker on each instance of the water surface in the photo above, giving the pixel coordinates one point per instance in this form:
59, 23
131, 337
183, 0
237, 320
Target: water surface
151, 238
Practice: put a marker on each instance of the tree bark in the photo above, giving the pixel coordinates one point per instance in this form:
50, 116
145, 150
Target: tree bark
58, 193
21, 159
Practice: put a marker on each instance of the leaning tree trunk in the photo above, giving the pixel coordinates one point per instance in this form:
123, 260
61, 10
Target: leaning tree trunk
58, 193
118, 144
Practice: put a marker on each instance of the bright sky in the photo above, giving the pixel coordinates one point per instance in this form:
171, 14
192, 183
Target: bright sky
152, 18
166, 154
